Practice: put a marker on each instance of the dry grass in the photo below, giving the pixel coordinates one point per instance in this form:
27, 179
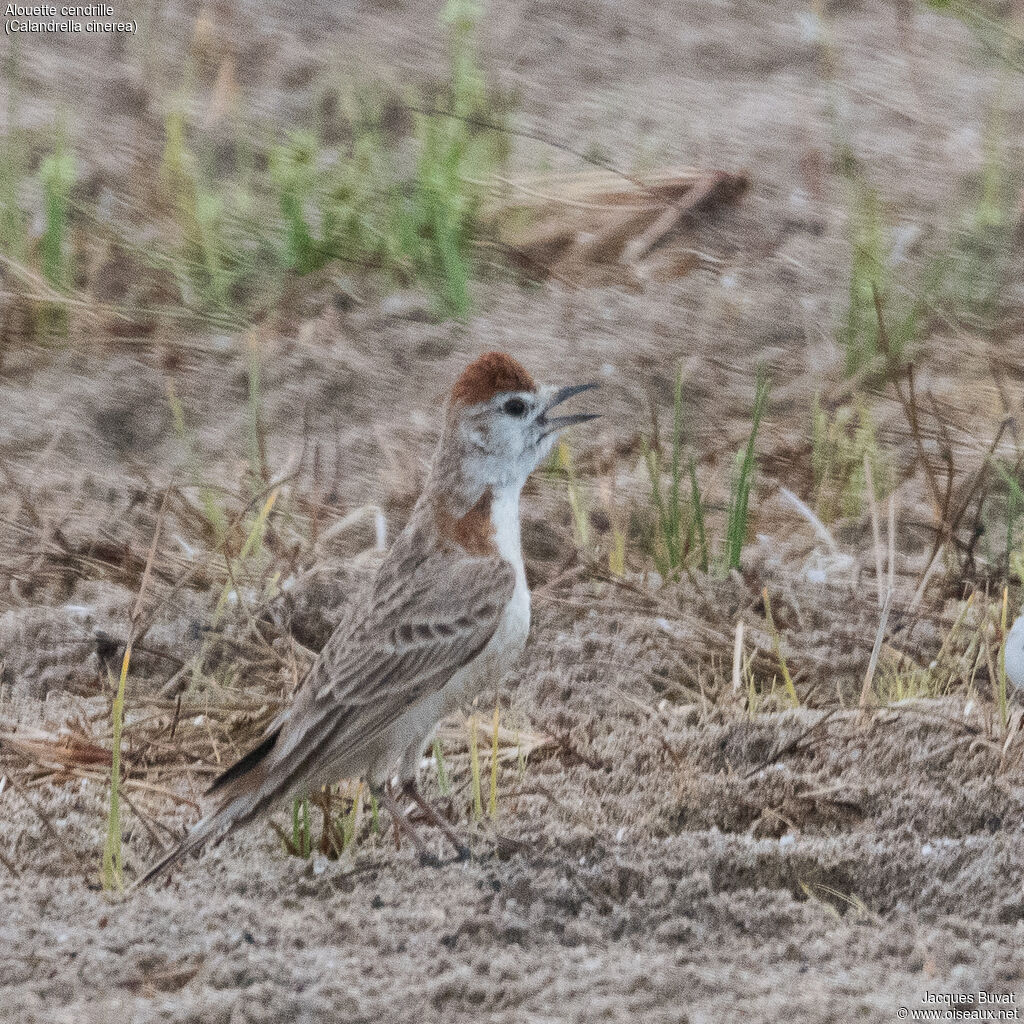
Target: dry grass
253, 543
855, 568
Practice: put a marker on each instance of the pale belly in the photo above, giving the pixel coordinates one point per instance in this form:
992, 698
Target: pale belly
404, 743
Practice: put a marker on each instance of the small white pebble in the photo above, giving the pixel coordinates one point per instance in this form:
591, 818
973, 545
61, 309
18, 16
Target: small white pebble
198, 720
663, 624
319, 863
607, 370
654, 580
787, 840
927, 850
968, 708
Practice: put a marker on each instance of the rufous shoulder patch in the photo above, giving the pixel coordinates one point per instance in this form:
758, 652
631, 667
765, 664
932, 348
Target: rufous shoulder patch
488, 376
473, 532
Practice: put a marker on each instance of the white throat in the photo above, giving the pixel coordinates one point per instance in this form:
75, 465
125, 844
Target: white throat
505, 517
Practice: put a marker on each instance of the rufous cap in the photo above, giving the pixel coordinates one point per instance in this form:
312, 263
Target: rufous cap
488, 376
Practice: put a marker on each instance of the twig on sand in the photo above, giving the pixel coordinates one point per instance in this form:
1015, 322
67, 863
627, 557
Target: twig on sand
791, 745
876, 530
869, 676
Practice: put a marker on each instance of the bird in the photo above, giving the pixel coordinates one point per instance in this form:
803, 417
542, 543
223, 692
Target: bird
447, 612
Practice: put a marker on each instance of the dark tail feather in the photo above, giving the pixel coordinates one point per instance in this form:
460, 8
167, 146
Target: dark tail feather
209, 829
243, 798
244, 765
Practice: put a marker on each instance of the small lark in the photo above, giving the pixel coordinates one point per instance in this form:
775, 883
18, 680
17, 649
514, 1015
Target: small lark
448, 611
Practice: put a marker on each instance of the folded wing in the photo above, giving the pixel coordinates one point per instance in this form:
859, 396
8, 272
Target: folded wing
423, 622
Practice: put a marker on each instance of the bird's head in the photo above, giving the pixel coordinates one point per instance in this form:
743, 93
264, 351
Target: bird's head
500, 423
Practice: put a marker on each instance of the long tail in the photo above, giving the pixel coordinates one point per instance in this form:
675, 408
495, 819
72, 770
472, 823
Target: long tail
244, 797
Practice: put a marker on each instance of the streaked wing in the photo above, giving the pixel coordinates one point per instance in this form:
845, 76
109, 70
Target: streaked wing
426, 617
423, 623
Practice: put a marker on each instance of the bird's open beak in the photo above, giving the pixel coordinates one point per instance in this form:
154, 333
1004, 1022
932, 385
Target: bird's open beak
553, 423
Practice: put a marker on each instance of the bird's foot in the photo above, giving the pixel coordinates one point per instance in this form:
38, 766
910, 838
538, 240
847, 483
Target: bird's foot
403, 826
436, 818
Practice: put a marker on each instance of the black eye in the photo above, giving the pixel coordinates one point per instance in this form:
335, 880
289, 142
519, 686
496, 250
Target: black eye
514, 407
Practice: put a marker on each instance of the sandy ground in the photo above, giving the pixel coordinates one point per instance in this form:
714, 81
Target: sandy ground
680, 860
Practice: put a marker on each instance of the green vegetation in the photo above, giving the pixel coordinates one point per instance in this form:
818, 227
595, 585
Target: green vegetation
215, 248
341, 813
960, 282
743, 480
443, 782
302, 835
843, 442
337, 206
438, 225
577, 499
492, 799
976, 265
680, 520
46, 264
1001, 691
230, 233
787, 679
1003, 514
474, 765
872, 279
354, 205
964, 652
57, 176
216, 516
671, 544
112, 875
13, 218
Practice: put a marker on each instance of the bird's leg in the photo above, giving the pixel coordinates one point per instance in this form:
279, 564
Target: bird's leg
436, 818
403, 825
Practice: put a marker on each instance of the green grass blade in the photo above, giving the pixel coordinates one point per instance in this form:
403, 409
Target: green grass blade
739, 504
492, 799
699, 526
443, 782
474, 763
113, 850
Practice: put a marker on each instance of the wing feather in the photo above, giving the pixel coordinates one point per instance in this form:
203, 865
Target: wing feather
412, 638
